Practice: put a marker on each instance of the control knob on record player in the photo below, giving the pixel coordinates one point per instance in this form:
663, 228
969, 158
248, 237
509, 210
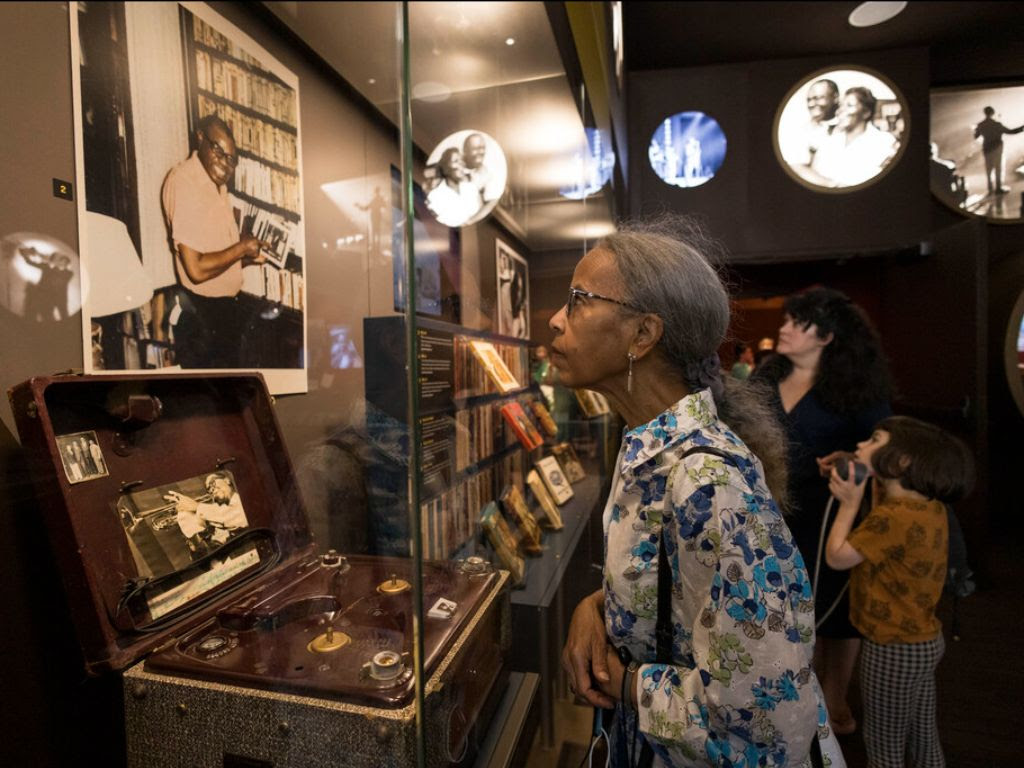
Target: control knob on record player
474, 565
332, 559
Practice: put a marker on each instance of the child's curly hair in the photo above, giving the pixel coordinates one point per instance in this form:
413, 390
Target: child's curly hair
924, 458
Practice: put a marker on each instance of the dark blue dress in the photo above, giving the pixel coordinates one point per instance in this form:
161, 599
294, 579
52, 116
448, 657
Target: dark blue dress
814, 431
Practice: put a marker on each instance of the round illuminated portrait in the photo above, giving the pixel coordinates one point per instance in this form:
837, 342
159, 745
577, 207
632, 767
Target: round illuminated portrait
39, 276
841, 129
976, 158
687, 149
465, 177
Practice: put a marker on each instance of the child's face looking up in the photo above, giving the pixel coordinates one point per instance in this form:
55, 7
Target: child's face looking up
866, 448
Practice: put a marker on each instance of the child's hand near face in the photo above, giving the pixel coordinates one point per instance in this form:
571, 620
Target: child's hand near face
846, 491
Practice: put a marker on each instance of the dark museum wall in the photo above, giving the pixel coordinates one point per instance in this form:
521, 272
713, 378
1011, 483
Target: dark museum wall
752, 204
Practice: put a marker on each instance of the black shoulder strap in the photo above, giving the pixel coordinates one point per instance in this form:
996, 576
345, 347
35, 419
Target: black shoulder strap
663, 628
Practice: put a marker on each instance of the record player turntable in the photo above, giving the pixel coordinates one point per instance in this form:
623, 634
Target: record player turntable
182, 541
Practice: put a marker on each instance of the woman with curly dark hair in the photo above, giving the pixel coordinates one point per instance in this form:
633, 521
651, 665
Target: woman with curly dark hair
831, 385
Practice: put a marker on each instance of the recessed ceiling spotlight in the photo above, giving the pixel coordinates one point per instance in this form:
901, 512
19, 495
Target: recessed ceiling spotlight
372, 81
510, 41
869, 14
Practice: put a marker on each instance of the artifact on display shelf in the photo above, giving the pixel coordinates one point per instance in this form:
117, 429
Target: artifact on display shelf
543, 417
514, 504
570, 462
554, 479
591, 403
494, 365
503, 542
521, 424
192, 550
552, 517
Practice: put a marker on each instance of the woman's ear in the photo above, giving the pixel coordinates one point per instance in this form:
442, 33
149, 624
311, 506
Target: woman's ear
648, 334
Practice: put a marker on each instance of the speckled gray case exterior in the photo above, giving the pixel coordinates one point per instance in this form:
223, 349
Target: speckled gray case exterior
178, 722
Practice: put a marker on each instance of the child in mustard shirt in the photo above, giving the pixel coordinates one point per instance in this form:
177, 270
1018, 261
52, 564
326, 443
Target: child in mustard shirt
898, 555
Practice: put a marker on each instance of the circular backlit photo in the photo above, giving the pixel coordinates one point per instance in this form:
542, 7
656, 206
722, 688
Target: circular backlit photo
687, 149
39, 277
841, 129
465, 177
976, 163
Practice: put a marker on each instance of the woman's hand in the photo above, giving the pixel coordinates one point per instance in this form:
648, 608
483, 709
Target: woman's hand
848, 491
826, 463
585, 656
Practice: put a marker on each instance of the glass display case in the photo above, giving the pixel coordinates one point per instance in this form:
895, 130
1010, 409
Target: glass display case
310, 483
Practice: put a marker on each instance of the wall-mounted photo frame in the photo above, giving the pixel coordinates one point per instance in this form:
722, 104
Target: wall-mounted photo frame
198, 151
976, 164
841, 129
465, 177
513, 291
687, 149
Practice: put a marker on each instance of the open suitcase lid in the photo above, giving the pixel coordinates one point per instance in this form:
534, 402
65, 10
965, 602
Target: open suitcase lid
162, 495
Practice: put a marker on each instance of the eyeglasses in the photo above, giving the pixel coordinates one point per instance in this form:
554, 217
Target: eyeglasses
576, 293
219, 152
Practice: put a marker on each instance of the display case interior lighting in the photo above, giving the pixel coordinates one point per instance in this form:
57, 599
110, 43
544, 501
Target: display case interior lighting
870, 14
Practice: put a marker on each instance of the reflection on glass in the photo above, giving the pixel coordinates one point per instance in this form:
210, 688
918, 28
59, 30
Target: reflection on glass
840, 129
465, 175
39, 277
344, 353
687, 149
596, 167
977, 150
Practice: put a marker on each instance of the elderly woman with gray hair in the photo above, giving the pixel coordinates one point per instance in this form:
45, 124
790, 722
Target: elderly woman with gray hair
701, 638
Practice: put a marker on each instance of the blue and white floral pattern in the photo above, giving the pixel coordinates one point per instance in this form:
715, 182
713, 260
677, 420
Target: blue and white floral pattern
740, 691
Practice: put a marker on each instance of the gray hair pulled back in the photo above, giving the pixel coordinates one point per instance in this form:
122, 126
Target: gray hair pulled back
667, 268
665, 271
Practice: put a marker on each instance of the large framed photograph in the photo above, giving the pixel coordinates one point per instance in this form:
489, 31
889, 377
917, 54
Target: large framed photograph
513, 292
187, 143
977, 150
841, 129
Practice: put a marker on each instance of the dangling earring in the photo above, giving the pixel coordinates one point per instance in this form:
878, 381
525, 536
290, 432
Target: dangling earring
629, 375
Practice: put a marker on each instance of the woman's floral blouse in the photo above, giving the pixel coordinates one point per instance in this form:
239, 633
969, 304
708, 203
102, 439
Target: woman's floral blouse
740, 691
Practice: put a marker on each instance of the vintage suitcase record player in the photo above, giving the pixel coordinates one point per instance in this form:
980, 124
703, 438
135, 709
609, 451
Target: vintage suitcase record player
182, 540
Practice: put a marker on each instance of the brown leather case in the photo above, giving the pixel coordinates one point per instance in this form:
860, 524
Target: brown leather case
152, 431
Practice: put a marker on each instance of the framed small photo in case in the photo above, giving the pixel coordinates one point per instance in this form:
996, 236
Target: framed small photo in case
554, 479
552, 517
81, 456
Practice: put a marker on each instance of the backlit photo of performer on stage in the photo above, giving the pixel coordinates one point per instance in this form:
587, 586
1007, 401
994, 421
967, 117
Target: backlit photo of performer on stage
977, 150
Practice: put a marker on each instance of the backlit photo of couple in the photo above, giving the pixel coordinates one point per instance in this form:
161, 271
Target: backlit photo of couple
464, 178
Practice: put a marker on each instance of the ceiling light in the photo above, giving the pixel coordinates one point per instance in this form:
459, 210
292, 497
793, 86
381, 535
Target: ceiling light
869, 14
372, 81
510, 41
